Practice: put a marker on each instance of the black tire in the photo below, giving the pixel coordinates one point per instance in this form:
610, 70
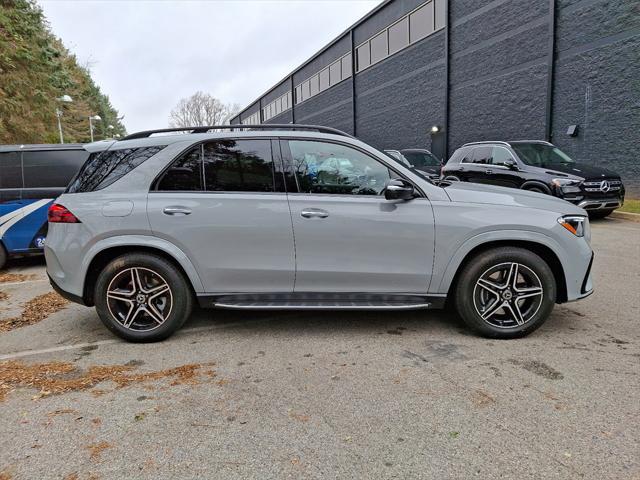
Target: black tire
532, 310
451, 178
172, 306
597, 214
537, 190
3, 256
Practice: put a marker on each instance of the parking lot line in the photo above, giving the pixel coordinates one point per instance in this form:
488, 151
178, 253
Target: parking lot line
111, 341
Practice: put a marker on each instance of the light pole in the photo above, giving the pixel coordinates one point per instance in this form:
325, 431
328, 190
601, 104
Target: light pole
65, 99
91, 119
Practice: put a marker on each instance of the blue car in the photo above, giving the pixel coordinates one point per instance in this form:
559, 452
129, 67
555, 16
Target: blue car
31, 177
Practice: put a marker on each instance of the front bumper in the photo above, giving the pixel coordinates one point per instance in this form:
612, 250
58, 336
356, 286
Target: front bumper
600, 204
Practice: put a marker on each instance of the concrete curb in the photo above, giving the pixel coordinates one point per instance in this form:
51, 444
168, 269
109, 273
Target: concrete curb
631, 217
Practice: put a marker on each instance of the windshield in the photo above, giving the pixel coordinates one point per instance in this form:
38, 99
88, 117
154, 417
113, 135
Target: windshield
540, 154
421, 159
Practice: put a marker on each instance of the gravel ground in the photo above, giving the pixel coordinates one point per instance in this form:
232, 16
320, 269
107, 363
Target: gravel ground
336, 395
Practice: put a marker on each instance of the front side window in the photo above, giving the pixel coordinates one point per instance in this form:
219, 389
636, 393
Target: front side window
331, 168
238, 166
184, 174
501, 156
104, 168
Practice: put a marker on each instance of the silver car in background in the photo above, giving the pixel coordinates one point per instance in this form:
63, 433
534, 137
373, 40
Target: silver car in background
302, 217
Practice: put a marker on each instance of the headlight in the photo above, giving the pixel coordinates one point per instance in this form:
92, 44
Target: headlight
567, 185
576, 224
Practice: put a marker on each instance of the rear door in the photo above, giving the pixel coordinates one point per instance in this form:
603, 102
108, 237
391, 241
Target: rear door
477, 170
349, 239
223, 203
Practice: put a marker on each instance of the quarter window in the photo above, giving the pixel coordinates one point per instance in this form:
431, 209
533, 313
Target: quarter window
331, 168
104, 168
238, 166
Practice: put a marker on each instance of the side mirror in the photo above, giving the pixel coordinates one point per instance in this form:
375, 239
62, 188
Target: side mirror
397, 189
510, 164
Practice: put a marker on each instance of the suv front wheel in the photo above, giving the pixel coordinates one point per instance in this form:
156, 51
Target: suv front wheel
142, 297
506, 292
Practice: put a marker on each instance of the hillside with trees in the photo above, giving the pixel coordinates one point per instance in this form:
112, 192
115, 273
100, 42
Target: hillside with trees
35, 71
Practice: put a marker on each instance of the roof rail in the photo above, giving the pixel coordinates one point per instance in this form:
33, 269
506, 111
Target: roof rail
484, 142
205, 129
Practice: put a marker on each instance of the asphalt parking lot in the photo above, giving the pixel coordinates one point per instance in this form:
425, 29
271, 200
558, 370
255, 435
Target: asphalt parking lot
336, 395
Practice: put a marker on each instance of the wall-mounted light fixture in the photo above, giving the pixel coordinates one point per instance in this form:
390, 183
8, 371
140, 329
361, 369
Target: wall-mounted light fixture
572, 131
435, 129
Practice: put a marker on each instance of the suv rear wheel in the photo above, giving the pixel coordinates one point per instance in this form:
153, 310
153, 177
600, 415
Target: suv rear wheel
507, 292
142, 297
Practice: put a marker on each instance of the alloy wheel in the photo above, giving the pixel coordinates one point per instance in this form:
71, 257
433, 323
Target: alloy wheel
508, 295
139, 299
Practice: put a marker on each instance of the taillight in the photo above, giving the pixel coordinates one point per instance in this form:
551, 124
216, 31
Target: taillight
59, 214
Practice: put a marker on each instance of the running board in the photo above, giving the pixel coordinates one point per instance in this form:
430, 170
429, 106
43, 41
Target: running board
316, 301
320, 306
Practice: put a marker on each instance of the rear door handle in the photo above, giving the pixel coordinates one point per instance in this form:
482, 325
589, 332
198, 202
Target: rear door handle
176, 211
314, 212
488, 171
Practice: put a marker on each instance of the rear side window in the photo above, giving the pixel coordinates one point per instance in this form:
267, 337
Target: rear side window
185, 173
104, 168
482, 155
10, 170
238, 166
51, 169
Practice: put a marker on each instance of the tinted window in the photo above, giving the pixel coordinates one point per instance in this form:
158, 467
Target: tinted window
379, 47
421, 22
10, 170
331, 168
324, 79
50, 169
421, 159
363, 55
461, 155
540, 154
501, 155
482, 155
399, 36
346, 66
104, 168
238, 166
184, 174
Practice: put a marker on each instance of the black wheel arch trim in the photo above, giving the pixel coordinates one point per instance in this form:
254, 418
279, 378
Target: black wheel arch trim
537, 184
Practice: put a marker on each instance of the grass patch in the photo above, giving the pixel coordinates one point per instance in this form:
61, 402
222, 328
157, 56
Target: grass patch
630, 206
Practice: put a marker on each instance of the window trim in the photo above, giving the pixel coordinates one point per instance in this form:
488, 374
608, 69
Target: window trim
287, 160
276, 158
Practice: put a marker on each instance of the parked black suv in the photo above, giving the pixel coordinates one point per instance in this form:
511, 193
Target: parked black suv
540, 167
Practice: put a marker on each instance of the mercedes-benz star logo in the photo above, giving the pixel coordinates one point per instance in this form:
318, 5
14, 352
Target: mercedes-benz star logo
604, 186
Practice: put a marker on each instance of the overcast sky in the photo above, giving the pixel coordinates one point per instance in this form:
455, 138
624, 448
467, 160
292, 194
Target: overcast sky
147, 55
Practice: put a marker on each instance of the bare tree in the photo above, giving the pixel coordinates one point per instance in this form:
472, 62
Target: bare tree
201, 109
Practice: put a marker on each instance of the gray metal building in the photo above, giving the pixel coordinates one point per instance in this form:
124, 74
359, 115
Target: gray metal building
477, 70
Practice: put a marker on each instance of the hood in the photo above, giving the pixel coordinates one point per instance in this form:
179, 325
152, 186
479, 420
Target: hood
580, 170
492, 195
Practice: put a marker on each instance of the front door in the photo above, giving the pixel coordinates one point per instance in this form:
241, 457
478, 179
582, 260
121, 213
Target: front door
349, 239
223, 203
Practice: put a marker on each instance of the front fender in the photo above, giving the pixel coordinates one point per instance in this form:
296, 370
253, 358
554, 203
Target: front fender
495, 236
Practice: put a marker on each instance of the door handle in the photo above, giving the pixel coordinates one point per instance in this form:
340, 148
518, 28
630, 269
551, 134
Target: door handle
314, 212
488, 171
176, 211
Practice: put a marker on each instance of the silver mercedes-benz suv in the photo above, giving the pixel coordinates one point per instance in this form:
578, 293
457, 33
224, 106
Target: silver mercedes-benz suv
302, 217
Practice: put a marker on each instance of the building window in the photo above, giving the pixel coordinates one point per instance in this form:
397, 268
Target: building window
398, 36
324, 79
363, 56
379, 47
421, 22
441, 13
346, 66
314, 85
